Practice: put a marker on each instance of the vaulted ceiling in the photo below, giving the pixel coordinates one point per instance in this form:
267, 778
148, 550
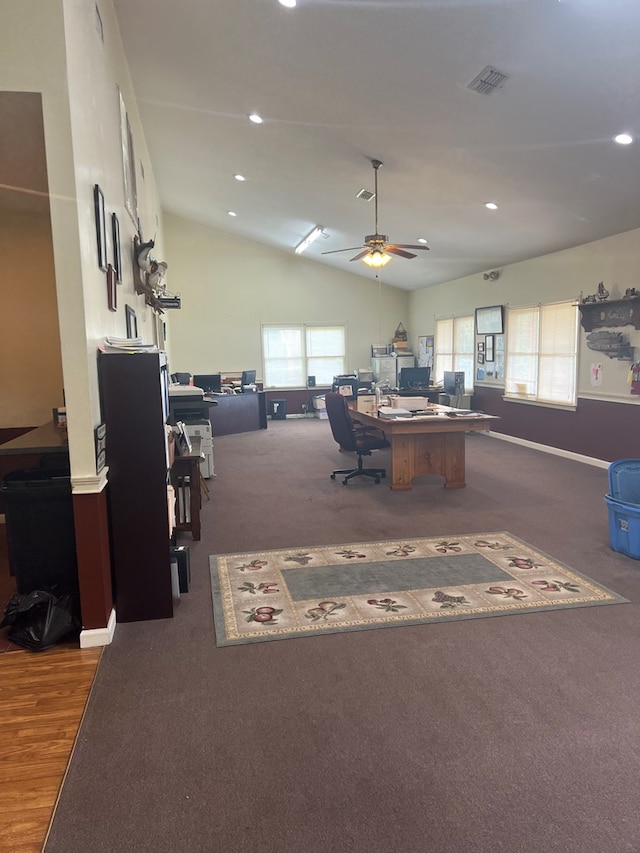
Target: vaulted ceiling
339, 82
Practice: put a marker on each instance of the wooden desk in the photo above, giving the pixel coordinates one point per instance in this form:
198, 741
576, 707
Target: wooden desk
233, 413
43, 439
429, 445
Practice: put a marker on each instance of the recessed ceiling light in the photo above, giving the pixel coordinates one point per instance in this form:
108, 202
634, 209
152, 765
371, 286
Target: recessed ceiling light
491, 205
232, 213
623, 139
290, 4
255, 118
240, 178
422, 240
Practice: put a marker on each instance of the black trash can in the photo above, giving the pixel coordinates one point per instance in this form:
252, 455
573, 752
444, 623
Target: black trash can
278, 410
40, 532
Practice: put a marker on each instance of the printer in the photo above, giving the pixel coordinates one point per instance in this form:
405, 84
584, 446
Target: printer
187, 404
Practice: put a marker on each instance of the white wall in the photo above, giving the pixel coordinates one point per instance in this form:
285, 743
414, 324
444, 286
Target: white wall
53, 47
551, 278
230, 286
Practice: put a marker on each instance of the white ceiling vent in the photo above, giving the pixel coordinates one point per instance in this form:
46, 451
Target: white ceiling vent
366, 195
487, 81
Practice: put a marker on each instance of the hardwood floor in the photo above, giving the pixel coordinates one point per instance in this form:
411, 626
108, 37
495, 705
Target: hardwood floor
42, 700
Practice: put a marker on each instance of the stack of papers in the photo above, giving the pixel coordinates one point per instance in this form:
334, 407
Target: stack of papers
391, 412
114, 344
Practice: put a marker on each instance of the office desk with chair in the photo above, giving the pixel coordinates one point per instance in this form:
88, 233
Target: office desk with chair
430, 444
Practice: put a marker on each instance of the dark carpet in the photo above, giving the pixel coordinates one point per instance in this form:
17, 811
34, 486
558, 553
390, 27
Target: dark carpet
518, 735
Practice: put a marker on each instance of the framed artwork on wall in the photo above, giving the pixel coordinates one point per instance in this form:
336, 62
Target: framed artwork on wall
101, 226
131, 321
128, 165
490, 321
488, 344
117, 254
425, 351
112, 288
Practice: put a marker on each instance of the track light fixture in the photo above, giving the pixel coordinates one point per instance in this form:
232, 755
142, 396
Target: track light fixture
493, 275
308, 240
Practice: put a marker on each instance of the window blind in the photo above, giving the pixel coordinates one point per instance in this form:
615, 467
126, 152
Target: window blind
541, 361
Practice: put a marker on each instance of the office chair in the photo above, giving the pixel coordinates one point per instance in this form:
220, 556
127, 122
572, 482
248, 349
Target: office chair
352, 435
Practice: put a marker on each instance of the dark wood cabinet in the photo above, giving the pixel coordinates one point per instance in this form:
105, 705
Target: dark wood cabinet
133, 393
610, 313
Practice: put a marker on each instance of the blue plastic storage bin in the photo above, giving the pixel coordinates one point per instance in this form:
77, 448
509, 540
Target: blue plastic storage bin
624, 527
624, 481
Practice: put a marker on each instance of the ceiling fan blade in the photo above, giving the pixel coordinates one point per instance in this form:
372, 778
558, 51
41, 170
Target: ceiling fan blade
394, 250
360, 254
334, 251
409, 246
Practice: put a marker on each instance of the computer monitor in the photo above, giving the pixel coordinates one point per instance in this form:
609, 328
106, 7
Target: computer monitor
181, 378
415, 378
207, 381
248, 378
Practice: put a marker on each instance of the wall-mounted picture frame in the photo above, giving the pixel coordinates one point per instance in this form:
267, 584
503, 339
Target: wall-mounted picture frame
101, 226
128, 164
480, 346
425, 350
490, 321
489, 347
480, 358
112, 288
117, 253
131, 321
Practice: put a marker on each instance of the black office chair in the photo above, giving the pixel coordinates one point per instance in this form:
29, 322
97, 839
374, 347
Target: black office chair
352, 435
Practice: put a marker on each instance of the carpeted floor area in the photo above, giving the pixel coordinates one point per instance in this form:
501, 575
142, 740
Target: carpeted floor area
518, 735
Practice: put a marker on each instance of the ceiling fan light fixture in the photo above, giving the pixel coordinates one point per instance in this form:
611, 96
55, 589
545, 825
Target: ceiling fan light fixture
376, 258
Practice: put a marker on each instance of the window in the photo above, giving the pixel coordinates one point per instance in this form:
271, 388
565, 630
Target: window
454, 348
542, 345
291, 353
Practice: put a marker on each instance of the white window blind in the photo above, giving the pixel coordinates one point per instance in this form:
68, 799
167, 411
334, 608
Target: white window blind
292, 353
542, 344
454, 348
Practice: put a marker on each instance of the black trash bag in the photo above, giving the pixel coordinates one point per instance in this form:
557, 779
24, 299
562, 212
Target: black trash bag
40, 619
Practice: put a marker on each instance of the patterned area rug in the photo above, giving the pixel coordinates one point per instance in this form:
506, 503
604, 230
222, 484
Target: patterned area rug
275, 595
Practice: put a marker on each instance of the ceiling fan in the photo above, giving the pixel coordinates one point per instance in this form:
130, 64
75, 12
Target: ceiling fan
376, 251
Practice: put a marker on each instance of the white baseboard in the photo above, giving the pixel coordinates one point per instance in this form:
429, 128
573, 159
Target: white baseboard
90, 638
555, 451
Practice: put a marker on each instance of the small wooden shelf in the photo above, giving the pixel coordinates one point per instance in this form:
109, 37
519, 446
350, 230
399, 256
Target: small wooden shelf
610, 313
185, 479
